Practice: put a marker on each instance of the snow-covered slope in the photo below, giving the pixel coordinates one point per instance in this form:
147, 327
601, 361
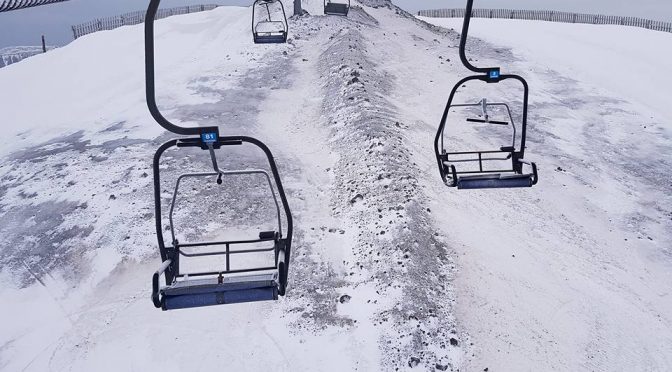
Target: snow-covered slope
391, 269
572, 275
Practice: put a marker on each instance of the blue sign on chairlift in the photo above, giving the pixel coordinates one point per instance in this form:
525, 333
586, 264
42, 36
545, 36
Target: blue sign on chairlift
494, 74
209, 137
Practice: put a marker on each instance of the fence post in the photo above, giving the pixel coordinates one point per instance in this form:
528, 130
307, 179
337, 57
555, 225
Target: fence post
44, 45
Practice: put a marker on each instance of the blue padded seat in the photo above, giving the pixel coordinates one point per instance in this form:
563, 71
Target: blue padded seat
270, 38
495, 181
205, 292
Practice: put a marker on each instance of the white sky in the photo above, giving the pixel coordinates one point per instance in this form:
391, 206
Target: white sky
24, 27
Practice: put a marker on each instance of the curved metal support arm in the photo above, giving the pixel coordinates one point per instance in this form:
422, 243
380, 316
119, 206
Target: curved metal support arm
493, 72
149, 80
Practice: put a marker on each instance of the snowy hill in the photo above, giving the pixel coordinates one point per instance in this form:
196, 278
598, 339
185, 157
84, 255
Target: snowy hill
391, 269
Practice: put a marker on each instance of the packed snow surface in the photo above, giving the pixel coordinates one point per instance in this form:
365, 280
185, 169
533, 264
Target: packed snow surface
391, 269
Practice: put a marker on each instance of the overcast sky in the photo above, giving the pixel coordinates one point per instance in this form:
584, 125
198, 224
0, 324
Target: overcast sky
24, 27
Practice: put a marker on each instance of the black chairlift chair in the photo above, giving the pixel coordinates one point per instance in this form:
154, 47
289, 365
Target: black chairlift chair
484, 178
336, 8
224, 285
273, 28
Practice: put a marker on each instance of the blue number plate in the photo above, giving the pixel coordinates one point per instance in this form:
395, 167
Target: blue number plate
209, 137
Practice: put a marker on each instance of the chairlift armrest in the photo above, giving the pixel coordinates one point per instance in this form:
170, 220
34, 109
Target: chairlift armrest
535, 175
453, 172
282, 267
156, 298
281, 256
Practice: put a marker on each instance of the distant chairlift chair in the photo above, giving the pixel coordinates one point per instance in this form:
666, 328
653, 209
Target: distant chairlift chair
336, 8
484, 178
223, 285
273, 28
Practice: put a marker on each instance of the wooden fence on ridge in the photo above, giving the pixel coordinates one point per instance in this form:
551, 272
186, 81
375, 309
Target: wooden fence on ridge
551, 16
133, 18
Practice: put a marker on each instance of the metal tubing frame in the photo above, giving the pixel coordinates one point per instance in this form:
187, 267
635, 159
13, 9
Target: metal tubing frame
172, 253
208, 139
285, 24
329, 1
463, 43
508, 110
219, 174
438, 140
490, 75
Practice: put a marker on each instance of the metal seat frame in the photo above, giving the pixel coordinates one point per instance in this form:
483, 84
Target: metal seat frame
269, 37
483, 178
225, 285
332, 8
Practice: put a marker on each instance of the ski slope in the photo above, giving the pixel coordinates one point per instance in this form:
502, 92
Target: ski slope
391, 269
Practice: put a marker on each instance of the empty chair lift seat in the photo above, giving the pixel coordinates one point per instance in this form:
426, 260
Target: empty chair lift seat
270, 38
495, 181
215, 291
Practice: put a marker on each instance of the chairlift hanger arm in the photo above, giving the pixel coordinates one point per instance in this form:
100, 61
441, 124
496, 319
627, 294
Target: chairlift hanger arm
493, 72
150, 88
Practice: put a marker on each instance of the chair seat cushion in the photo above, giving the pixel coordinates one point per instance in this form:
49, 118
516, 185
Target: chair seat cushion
494, 181
270, 38
206, 292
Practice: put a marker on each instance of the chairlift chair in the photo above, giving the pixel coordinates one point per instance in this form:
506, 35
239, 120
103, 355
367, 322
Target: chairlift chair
336, 8
450, 163
223, 285
273, 28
